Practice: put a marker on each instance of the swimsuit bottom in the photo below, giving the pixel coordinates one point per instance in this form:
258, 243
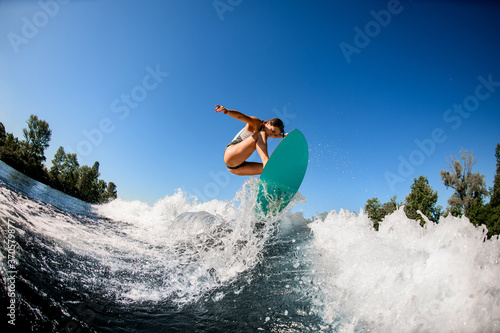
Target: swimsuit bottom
238, 166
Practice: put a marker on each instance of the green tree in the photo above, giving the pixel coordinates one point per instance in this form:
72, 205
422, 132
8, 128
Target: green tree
82, 182
422, 198
37, 137
495, 195
10, 150
489, 214
57, 166
101, 191
377, 211
373, 208
470, 188
70, 172
65, 174
490, 217
110, 193
88, 183
3, 135
390, 206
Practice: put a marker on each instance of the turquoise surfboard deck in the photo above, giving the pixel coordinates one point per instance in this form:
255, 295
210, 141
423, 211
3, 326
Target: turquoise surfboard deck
281, 178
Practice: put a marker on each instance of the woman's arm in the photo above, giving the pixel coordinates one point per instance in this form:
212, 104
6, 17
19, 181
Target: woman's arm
254, 123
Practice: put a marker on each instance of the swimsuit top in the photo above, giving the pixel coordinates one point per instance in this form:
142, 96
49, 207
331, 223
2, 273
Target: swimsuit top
242, 135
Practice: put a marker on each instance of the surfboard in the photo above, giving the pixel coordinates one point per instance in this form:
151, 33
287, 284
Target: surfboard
283, 174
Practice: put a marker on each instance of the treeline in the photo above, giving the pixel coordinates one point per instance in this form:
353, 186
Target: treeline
66, 174
469, 198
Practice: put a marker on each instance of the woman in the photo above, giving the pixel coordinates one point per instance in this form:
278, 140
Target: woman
252, 137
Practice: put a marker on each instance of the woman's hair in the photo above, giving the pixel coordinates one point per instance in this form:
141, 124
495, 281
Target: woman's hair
276, 122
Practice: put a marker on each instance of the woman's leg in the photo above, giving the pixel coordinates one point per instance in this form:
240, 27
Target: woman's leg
261, 146
238, 153
248, 169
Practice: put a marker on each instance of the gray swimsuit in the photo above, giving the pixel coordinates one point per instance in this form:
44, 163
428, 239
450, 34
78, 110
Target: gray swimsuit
242, 135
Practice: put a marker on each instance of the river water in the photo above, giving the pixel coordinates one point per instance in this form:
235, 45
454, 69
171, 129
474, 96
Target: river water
182, 265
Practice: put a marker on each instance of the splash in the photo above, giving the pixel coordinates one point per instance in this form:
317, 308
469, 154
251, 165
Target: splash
177, 250
195, 247
216, 262
189, 248
442, 277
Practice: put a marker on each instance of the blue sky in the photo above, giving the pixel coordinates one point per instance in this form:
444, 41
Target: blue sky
384, 91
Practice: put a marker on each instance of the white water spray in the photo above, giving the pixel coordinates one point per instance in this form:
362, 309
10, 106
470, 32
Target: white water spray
442, 277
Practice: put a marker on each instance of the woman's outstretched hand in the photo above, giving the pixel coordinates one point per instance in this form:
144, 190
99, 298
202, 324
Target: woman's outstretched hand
219, 108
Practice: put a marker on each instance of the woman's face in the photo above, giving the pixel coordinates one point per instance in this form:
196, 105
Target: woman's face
272, 131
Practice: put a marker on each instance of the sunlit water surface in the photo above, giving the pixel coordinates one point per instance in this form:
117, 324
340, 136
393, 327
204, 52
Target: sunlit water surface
188, 266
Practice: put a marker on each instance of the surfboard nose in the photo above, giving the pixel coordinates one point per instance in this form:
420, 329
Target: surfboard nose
284, 173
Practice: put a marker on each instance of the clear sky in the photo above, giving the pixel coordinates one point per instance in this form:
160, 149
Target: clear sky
384, 91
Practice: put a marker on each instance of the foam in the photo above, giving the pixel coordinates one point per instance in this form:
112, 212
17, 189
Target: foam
442, 277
